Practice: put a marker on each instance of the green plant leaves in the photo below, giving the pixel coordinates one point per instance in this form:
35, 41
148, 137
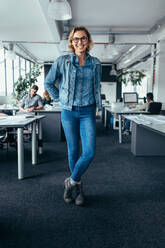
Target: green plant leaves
135, 77
23, 85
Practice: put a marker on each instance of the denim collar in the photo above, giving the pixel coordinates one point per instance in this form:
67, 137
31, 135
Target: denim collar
74, 57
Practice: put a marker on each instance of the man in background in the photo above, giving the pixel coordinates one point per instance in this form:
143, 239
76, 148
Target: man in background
150, 98
144, 107
32, 101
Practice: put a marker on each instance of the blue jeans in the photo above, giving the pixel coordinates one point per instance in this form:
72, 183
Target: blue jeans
80, 123
127, 125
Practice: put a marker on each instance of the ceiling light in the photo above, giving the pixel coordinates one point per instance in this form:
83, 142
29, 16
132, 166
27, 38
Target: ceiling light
113, 71
132, 48
126, 61
59, 10
10, 53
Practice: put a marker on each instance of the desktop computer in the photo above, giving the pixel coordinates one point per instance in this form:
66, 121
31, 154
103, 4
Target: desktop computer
3, 100
130, 99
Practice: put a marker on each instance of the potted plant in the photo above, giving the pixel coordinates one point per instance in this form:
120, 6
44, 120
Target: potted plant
135, 77
23, 84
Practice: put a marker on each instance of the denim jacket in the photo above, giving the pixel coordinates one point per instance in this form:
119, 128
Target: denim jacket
64, 71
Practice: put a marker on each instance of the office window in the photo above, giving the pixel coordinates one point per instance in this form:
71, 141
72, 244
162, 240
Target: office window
16, 69
2, 73
22, 62
10, 70
27, 66
40, 82
1, 55
9, 76
140, 89
32, 65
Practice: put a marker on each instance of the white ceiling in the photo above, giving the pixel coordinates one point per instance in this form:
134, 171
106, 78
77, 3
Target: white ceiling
134, 14
26, 22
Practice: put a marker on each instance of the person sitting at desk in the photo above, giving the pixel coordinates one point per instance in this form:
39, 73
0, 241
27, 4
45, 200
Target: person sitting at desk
144, 107
32, 101
46, 98
150, 98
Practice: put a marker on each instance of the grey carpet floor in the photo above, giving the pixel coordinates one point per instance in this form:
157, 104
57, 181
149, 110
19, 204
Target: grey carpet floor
125, 199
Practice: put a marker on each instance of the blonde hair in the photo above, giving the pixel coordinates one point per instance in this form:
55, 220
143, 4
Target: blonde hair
74, 30
46, 94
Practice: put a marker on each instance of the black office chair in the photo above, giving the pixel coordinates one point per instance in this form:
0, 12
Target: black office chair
3, 136
103, 97
1, 139
155, 108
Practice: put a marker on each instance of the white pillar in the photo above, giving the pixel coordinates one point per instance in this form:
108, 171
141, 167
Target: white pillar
159, 86
150, 73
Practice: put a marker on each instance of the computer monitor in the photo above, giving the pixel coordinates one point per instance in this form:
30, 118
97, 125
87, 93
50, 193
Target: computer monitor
4, 100
130, 97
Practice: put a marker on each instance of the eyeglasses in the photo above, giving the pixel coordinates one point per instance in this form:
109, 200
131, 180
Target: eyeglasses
83, 39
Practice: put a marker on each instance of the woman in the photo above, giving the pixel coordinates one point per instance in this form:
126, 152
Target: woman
79, 77
46, 98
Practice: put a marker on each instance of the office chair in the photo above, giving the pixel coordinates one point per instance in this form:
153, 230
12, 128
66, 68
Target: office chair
1, 139
3, 136
103, 97
155, 108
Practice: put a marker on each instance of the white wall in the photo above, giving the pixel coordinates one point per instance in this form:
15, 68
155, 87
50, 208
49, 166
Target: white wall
159, 86
109, 89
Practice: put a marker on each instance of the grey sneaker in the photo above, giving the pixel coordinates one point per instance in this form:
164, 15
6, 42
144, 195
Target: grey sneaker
68, 188
80, 198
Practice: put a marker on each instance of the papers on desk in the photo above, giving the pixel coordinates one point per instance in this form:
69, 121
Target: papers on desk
141, 119
15, 119
8, 106
19, 117
29, 116
2, 118
146, 120
48, 107
25, 115
57, 108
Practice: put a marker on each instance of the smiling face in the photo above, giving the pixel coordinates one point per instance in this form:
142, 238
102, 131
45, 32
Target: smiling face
80, 42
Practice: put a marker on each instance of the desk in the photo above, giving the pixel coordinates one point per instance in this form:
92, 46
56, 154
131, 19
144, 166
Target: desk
148, 135
51, 125
119, 113
8, 107
104, 113
19, 122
